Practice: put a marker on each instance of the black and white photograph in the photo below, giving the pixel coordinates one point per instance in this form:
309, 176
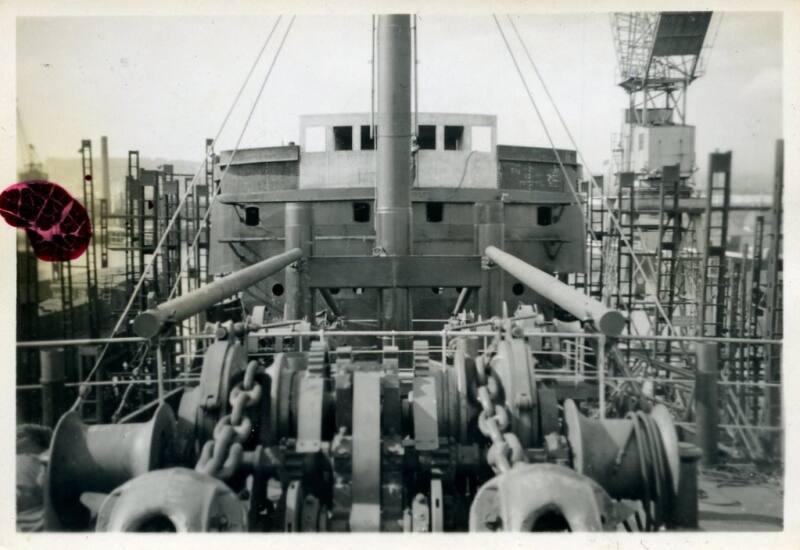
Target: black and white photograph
406, 270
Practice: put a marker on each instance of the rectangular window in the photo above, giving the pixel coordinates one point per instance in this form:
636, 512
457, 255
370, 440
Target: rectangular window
482, 139
434, 212
361, 212
367, 140
251, 215
544, 215
342, 138
315, 139
426, 137
453, 138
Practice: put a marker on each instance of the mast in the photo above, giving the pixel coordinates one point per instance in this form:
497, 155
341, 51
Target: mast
393, 185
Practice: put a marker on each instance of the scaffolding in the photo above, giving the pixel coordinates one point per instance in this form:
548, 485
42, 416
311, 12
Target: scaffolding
152, 197
773, 322
705, 290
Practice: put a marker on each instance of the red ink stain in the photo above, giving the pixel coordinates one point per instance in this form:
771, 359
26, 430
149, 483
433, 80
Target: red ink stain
57, 225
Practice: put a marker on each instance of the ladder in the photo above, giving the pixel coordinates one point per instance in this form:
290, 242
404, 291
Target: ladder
579, 279
91, 250
103, 233
625, 268
670, 237
210, 190
596, 220
756, 352
773, 326
131, 209
715, 236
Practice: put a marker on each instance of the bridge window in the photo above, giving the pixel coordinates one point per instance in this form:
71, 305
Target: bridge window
453, 138
361, 212
342, 138
426, 136
367, 139
277, 289
517, 289
434, 212
544, 215
482, 139
315, 139
251, 215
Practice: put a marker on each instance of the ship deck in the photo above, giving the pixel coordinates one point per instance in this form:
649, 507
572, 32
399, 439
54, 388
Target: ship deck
731, 504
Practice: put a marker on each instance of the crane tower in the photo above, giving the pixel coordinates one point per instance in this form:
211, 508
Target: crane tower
659, 55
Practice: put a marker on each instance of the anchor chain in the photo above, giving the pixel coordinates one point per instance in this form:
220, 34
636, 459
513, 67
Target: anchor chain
494, 421
222, 455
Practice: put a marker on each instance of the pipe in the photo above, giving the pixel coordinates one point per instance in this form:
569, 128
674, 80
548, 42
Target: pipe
149, 323
297, 226
52, 381
393, 182
490, 231
707, 401
608, 321
684, 513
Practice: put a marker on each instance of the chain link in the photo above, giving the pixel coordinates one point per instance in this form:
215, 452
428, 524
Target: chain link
222, 455
494, 420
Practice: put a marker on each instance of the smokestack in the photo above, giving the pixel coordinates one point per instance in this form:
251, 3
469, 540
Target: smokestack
104, 168
393, 186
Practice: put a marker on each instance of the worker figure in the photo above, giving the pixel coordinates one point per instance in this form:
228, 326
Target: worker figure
33, 444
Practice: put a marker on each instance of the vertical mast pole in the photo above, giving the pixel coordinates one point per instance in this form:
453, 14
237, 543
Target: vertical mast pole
393, 192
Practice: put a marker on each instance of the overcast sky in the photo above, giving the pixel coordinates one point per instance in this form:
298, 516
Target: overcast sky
163, 84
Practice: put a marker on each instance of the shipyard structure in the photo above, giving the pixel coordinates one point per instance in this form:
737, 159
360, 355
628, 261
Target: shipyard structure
399, 324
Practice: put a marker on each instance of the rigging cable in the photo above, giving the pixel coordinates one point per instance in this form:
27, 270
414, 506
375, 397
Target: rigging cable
218, 187
637, 263
174, 217
372, 85
541, 120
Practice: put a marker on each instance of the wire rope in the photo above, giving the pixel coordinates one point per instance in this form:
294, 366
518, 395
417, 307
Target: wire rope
174, 217
612, 217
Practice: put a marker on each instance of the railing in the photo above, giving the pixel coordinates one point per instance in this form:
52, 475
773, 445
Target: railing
577, 355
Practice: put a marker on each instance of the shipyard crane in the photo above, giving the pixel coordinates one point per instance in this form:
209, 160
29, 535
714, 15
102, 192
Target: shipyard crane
659, 55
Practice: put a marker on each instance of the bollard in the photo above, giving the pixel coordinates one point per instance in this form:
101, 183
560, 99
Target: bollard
706, 401
52, 381
684, 512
